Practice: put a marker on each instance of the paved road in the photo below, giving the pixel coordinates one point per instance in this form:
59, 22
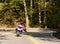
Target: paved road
31, 37
10, 38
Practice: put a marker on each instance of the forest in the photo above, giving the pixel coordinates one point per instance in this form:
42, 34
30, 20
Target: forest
34, 13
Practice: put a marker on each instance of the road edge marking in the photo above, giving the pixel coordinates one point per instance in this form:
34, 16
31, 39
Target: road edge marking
33, 40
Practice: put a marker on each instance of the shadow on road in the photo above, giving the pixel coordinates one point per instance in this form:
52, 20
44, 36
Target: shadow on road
37, 34
3, 37
42, 36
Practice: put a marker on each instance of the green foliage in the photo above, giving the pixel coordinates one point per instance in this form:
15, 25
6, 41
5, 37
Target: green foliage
34, 21
12, 11
53, 15
1, 1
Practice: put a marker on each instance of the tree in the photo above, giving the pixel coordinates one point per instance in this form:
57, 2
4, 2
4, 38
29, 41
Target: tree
14, 9
25, 7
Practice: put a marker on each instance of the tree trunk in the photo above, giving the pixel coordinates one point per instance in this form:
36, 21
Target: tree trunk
27, 21
39, 16
39, 13
31, 8
31, 4
45, 16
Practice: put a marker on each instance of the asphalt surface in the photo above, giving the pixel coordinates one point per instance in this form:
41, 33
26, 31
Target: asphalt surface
11, 38
33, 36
